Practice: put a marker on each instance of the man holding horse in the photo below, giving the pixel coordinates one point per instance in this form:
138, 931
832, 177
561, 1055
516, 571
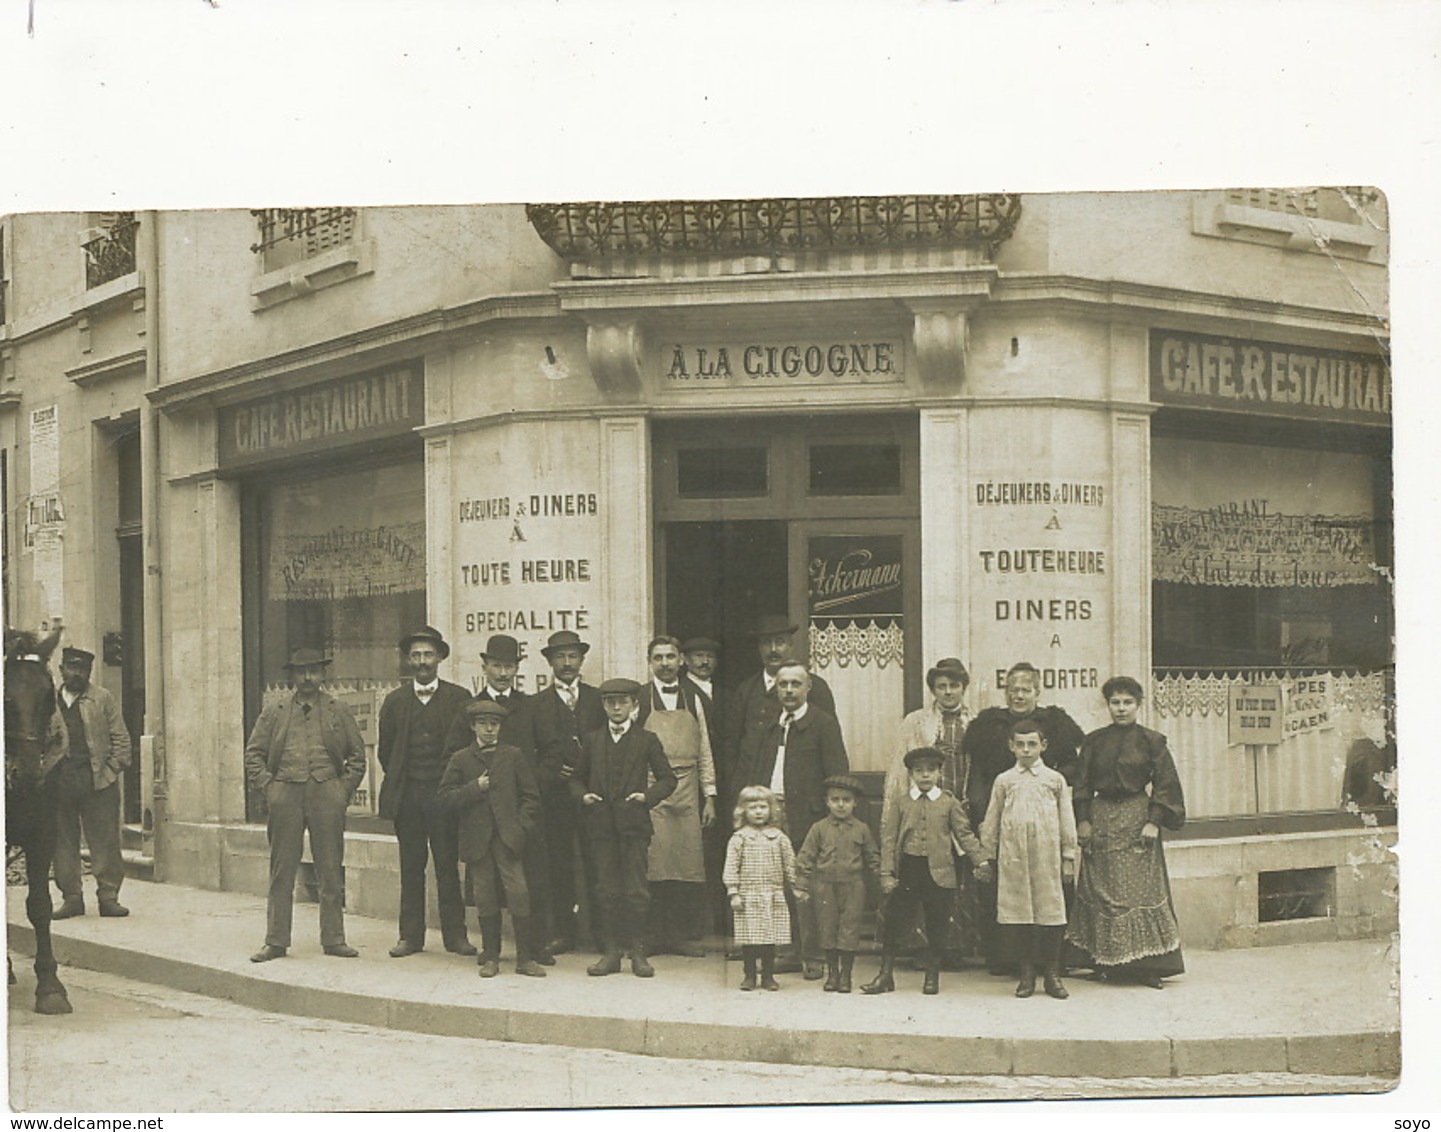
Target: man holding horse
97, 750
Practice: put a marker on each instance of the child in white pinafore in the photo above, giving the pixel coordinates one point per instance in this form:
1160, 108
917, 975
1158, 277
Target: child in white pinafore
760, 866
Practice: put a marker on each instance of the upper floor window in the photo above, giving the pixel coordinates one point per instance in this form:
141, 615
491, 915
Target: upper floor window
110, 248
289, 235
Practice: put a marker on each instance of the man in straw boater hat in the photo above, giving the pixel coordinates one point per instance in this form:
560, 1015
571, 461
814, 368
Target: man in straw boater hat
306, 753
562, 714
414, 721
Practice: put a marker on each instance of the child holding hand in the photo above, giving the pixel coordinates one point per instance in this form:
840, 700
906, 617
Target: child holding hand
835, 864
760, 865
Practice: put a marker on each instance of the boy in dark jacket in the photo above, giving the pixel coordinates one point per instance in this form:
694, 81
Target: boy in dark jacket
493, 788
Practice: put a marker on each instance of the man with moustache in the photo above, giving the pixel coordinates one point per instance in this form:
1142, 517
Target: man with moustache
987, 753
674, 711
562, 714
755, 706
414, 721
793, 756
306, 753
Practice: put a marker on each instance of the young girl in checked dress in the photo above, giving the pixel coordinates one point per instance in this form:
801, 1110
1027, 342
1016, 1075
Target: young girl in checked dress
760, 866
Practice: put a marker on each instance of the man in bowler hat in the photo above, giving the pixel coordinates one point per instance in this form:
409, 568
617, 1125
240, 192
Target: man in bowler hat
414, 721
89, 797
562, 714
307, 754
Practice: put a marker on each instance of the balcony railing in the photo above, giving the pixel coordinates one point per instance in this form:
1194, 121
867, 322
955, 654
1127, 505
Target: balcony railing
596, 229
1342, 204
291, 234
111, 254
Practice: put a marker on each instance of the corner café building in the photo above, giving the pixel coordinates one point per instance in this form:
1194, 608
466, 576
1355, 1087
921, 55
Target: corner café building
1143, 434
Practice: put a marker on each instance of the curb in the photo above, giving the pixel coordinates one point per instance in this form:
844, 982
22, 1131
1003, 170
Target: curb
1364, 1053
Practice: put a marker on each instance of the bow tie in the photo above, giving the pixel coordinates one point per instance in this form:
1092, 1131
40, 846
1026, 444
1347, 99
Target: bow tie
618, 731
670, 689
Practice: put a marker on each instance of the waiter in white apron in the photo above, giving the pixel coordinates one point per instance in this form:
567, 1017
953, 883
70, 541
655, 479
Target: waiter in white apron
674, 712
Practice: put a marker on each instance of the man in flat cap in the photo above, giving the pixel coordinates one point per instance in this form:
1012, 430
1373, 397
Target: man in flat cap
490, 787
561, 715
414, 721
623, 774
89, 792
307, 754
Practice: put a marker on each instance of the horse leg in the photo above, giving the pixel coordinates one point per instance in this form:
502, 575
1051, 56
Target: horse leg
50, 996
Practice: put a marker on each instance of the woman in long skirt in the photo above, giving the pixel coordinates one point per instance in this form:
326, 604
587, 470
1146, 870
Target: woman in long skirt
1126, 792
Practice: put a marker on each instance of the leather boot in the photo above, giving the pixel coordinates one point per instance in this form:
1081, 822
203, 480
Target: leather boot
749, 982
638, 965
1054, 987
489, 957
1027, 986
527, 945
885, 978
768, 974
608, 963
833, 971
843, 981
932, 985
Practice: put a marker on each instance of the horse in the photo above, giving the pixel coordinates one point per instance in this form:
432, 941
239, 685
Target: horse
34, 746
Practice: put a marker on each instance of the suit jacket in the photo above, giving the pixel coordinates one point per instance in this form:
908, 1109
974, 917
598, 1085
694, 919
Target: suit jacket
753, 710
948, 827
717, 705
558, 730
392, 747
516, 730
637, 764
105, 732
338, 729
814, 753
507, 810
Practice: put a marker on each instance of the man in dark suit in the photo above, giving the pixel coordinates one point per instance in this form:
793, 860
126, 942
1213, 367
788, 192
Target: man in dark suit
414, 721
623, 773
794, 756
561, 715
755, 706
702, 659
490, 788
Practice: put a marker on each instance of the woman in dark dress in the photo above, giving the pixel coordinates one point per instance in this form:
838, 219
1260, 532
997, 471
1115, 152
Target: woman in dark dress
1126, 791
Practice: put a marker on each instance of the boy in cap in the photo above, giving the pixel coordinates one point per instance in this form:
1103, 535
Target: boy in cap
491, 786
835, 864
622, 773
916, 866
414, 721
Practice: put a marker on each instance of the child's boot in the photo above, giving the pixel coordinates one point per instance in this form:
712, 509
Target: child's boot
1054, 987
638, 964
1027, 986
885, 978
833, 970
843, 981
768, 974
749, 958
1051, 938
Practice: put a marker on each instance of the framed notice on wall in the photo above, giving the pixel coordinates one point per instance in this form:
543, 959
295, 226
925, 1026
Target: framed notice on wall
854, 577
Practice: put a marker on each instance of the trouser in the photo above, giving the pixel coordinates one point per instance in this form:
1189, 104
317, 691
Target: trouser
917, 887
1036, 945
561, 814
97, 813
424, 830
294, 808
622, 889
839, 905
501, 867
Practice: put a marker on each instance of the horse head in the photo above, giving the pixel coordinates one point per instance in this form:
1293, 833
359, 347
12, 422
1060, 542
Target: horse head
29, 708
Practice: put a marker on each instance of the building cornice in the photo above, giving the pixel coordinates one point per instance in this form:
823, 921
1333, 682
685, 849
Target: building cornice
389, 341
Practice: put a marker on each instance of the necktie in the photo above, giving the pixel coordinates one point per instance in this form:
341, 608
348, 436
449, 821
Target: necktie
786, 721
617, 732
567, 694
670, 689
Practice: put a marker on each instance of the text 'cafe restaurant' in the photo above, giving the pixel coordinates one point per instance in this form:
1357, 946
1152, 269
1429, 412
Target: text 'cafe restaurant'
911, 460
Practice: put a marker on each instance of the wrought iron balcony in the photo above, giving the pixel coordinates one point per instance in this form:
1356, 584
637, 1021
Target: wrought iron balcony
111, 254
291, 234
784, 226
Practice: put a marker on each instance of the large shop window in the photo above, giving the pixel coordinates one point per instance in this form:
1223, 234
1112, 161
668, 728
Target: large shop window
340, 562
1272, 622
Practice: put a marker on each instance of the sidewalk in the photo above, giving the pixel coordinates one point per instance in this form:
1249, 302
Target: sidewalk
1330, 1008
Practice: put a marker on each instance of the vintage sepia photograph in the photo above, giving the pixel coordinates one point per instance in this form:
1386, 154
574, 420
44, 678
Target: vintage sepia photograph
701, 650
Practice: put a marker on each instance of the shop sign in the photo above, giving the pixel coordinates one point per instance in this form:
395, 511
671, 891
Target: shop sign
1255, 714
1308, 704
750, 364
1245, 543
855, 576
356, 409
1203, 371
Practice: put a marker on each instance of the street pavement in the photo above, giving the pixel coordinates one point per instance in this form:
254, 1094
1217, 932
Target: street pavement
1274, 1016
